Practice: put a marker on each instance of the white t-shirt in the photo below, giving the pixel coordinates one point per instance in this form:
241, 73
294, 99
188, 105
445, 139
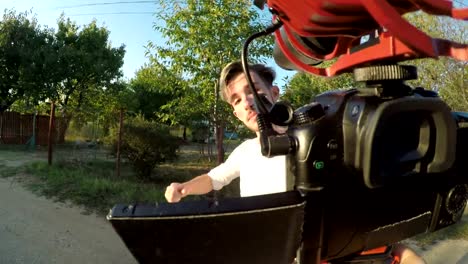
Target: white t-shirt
258, 174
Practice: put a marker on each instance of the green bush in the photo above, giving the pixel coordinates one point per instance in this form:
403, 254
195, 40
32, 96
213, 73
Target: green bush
146, 144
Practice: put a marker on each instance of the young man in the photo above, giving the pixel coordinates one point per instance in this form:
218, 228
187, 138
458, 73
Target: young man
258, 174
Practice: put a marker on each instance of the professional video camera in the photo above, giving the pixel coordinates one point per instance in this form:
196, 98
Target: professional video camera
372, 165
387, 152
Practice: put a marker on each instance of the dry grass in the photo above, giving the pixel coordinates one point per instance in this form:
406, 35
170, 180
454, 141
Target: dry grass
87, 175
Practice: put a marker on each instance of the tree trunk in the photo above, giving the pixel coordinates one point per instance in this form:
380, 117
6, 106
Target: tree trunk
1, 127
119, 143
219, 128
62, 127
219, 142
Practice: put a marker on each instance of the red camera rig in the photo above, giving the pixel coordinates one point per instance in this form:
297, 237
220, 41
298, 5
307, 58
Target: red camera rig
349, 20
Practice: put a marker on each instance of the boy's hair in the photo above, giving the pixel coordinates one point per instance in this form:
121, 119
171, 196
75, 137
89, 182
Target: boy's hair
233, 69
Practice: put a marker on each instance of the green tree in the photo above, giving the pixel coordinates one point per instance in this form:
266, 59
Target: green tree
159, 92
445, 75
75, 67
303, 87
102, 105
88, 66
154, 86
203, 36
26, 58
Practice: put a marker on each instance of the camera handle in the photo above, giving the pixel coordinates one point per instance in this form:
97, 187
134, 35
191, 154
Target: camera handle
386, 80
380, 255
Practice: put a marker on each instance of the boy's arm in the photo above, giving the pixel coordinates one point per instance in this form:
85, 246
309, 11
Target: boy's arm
222, 175
407, 255
198, 185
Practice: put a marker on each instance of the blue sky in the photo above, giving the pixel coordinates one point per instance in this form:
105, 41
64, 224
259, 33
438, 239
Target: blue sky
129, 23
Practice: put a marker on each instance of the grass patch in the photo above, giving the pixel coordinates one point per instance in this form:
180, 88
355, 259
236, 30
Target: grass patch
182, 169
86, 177
93, 184
6, 171
94, 190
11, 147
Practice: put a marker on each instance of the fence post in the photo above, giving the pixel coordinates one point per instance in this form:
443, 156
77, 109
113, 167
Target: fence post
51, 127
1, 127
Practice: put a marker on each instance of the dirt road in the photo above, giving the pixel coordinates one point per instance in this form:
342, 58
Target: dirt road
36, 230
448, 251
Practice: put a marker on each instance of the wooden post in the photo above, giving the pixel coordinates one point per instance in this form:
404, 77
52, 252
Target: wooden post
50, 136
219, 141
1, 127
219, 133
119, 142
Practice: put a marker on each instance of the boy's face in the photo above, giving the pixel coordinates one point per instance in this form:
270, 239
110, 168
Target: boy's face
242, 100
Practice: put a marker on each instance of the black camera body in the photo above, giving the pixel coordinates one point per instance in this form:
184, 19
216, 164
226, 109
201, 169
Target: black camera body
376, 165
381, 139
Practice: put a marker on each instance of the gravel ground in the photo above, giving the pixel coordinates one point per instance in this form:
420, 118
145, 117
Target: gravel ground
36, 230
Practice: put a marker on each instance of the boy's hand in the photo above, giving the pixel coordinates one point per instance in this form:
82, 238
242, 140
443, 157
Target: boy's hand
175, 192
